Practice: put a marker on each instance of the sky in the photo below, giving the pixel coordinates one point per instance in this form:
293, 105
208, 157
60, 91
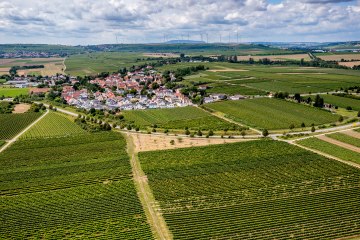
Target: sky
83, 22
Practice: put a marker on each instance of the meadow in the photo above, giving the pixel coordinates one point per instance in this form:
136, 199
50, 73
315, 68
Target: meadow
74, 187
177, 118
272, 114
331, 149
53, 125
94, 63
12, 124
13, 92
253, 190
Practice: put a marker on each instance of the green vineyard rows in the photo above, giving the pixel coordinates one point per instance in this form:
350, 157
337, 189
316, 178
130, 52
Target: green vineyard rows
12, 124
74, 187
53, 125
345, 138
254, 190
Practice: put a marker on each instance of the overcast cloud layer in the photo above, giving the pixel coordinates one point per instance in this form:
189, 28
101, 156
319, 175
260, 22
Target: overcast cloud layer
137, 21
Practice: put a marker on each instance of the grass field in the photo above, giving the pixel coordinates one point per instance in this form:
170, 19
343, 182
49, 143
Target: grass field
345, 138
342, 102
292, 79
331, 149
284, 57
12, 124
13, 92
51, 65
272, 113
94, 63
253, 190
76, 187
53, 125
177, 118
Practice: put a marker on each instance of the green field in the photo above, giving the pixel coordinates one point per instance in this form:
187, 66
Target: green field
53, 125
331, 149
12, 124
342, 102
2, 143
177, 118
13, 92
272, 113
94, 63
77, 187
345, 138
292, 79
254, 190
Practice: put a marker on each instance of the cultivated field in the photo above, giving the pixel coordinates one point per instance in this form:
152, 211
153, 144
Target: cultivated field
13, 92
331, 149
150, 142
350, 64
94, 63
262, 79
345, 138
253, 190
265, 113
12, 124
53, 125
77, 187
338, 57
51, 65
284, 57
177, 118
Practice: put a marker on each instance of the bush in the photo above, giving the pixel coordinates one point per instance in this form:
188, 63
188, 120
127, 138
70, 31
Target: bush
348, 108
265, 132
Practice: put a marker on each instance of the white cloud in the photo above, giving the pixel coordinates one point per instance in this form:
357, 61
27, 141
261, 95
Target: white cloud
93, 21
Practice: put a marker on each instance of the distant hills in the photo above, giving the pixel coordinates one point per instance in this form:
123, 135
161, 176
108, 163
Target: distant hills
184, 42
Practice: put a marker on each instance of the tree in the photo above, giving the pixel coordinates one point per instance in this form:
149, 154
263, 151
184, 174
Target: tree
297, 97
292, 126
358, 114
187, 132
243, 133
199, 133
312, 129
348, 108
302, 125
319, 102
341, 118
211, 133
265, 132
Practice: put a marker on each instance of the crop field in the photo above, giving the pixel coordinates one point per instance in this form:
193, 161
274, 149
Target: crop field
292, 79
284, 57
338, 57
345, 138
266, 113
177, 118
76, 187
342, 102
12, 124
51, 65
13, 92
350, 64
331, 149
53, 125
94, 63
254, 190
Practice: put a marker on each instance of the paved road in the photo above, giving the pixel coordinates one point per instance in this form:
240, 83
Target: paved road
22, 132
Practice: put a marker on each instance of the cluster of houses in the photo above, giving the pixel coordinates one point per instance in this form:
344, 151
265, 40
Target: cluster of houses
29, 81
27, 54
126, 93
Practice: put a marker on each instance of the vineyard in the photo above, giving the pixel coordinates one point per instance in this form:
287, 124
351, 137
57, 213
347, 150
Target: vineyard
74, 187
12, 124
53, 125
254, 190
331, 149
342, 102
345, 138
177, 118
272, 113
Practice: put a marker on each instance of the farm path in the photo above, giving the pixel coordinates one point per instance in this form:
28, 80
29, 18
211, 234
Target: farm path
338, 143
156, 220
326, 155
352, 133
8, 143
60, 110
229, 120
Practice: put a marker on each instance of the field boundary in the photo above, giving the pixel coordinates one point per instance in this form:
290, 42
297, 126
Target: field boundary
5, 146
147, 199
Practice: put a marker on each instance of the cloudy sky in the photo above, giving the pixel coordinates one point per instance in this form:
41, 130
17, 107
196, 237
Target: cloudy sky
137, 21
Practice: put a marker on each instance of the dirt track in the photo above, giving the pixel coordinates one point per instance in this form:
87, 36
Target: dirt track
338, 143
353, 134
